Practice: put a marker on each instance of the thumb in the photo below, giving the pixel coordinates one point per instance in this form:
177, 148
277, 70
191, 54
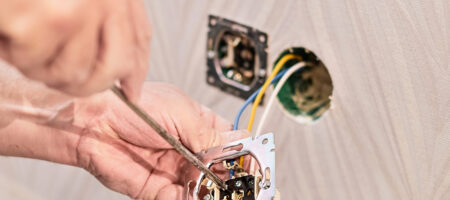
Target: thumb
223, 138
132, 87
231, 136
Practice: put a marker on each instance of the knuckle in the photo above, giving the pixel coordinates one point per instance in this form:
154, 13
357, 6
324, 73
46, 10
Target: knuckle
19, 30
64, 74
60, 20
66, 15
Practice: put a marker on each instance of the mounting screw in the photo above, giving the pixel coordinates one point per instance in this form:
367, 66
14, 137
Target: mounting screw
262, 38
210, 79
207, 197
212, 22
266, 184
238, 184
210, 54
262, 72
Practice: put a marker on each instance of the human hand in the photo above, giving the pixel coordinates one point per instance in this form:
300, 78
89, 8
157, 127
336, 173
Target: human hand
128, 156
77, 46
99, 133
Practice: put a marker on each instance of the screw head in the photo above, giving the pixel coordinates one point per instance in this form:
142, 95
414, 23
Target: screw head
262, 38
211, 54
238, 183
213, 22
210, 79
266, 184
262, 72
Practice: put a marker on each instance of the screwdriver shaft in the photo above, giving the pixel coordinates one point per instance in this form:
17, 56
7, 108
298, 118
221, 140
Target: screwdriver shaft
169, 138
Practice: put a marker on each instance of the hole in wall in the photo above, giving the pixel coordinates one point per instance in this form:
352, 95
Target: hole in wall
306, 95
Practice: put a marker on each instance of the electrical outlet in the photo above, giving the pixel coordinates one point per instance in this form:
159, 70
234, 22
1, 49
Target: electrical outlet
236, 57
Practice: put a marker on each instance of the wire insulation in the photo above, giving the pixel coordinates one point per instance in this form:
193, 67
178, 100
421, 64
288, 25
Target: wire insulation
251, 99
266, 84
247, 102
257, 95
287, 73
297, 67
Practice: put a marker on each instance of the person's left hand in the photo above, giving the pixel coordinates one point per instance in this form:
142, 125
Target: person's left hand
126, 155
80, 47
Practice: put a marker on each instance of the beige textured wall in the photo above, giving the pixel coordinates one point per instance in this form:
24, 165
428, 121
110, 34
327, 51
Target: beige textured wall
388, 133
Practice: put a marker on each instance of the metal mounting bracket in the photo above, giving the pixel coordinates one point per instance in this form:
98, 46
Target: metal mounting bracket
261, 148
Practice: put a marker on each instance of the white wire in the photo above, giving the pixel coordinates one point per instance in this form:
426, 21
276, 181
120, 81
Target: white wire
274, 94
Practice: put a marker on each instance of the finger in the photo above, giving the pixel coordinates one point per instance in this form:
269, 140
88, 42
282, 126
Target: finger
220, 138
170, 192
4, 47
114, 53
110, 160
132, 83
38, 31
30, 35
202, 131
140, 23
163, 103
76, 61
217, 122
49, 37
166, 172
37, 48
231, 136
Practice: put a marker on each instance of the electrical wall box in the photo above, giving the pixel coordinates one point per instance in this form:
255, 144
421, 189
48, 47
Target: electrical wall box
236, 57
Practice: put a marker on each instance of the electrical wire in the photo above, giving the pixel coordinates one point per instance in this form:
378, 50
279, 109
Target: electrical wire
252, 98
257, 95
297, 67
231, 170
247, 102
266, 84
287, 73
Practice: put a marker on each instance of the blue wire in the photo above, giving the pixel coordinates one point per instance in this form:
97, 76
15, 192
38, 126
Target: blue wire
250, 100
231, 171
253, 97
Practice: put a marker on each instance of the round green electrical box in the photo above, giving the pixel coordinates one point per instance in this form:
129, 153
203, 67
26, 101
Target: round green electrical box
306, 95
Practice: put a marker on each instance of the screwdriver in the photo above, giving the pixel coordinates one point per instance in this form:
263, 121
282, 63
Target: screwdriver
169, 138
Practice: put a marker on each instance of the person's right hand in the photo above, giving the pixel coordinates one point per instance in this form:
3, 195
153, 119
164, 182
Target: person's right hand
128, 156
77, 46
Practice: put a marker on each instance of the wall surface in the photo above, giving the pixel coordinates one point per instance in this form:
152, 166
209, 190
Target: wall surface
387, 135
